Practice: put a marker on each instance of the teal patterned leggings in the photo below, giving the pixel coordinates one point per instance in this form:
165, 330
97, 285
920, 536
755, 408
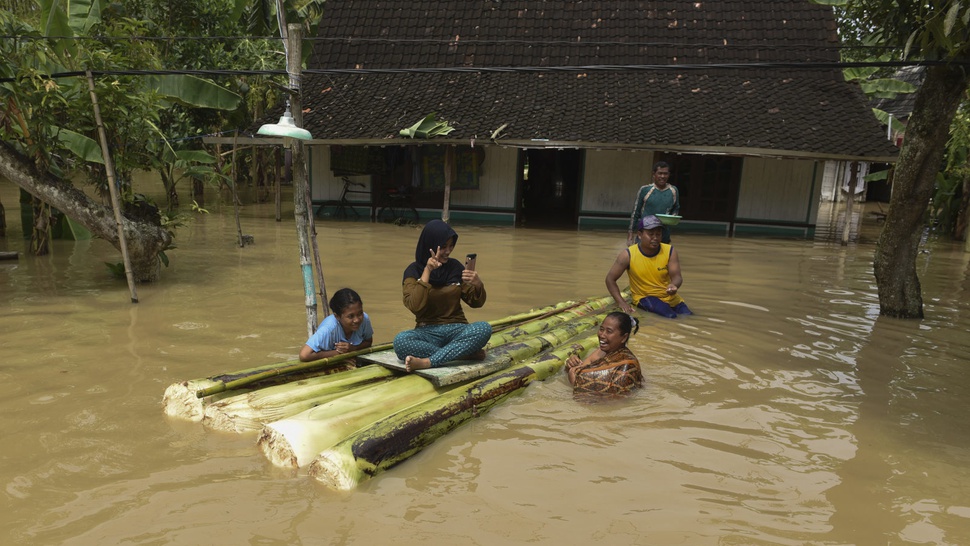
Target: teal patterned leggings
442, 343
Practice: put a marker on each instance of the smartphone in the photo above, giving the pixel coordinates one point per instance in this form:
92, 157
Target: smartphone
470, 261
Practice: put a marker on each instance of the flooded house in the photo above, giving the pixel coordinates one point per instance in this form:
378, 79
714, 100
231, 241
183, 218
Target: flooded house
559, 109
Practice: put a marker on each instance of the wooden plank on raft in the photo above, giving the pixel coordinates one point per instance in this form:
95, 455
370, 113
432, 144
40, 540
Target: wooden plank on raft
445, 375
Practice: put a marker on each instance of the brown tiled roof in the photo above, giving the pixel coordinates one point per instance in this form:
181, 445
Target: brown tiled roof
762, 95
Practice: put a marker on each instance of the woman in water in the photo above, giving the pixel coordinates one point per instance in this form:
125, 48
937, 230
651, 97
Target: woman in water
610, 369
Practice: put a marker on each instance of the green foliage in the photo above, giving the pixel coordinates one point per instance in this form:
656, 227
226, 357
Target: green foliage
427, 127
927, 30
884, 117
116, 269
945, 204
198, 208
947, 198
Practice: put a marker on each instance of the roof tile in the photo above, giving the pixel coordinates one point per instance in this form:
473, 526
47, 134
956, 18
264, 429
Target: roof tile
785, 107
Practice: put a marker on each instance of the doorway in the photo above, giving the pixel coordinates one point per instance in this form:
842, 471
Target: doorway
709, 185
548, 188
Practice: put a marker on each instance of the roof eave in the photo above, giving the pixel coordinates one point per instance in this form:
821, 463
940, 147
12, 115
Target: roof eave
545, 143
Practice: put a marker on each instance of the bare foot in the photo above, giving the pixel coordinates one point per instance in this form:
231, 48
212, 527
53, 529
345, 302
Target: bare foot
412, 363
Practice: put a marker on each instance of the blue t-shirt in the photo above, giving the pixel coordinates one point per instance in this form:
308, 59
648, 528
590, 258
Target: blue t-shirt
329, 333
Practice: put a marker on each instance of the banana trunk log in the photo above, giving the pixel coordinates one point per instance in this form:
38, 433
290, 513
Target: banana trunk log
550, 321
188, 399
397, 437
248, 412
182, 402
295, 441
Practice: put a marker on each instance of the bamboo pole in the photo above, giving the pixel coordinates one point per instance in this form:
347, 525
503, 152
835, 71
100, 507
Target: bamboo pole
115, 204
324, 300
293, 60
397, 437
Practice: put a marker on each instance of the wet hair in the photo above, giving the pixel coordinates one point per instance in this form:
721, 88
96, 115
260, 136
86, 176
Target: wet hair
343, 298
660, 165
628, 323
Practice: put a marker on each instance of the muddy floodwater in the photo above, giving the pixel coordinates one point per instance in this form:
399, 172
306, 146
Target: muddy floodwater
786, 411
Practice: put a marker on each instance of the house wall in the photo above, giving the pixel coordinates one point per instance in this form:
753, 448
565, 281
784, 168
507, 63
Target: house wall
776, 196
492, 202
778, 191
611, 181
837, 176
324, 186
496, 184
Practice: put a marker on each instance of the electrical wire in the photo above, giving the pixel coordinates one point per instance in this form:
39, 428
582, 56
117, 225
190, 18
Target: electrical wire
683, 67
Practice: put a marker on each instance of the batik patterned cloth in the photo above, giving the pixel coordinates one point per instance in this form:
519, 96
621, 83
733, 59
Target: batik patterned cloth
617, 373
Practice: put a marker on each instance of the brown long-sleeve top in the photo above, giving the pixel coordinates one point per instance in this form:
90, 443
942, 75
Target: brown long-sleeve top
440, 304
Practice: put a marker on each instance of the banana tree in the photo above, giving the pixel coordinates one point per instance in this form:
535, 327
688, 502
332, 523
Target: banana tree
47, 126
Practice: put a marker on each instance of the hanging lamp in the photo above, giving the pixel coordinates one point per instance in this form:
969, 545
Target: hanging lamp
285, 128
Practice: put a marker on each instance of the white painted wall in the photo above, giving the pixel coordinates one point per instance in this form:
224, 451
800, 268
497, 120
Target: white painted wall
784, 190
835, 184
612, 179
497, 183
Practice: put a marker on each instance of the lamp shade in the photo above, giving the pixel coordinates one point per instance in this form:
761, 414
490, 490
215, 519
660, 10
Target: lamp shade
285, 128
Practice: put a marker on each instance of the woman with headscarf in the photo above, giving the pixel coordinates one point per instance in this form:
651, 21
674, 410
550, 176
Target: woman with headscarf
434, 286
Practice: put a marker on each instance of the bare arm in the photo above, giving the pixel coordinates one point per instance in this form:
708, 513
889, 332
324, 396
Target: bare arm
573, 363
673, 269
307, 354
621, 264
637, 208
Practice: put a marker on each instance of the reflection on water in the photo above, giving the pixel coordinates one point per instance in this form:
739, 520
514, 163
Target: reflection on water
785, 411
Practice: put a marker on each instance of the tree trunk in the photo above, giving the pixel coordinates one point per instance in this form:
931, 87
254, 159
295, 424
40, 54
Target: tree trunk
963, 215
919, 160
40, 235
198, 192
146, 238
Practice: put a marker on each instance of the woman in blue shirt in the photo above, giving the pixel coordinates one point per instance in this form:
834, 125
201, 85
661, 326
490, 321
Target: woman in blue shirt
347, 329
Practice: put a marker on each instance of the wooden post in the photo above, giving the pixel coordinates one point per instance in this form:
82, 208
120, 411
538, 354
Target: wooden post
449, 175
279, 188
115, 204
849, 200
232, 180
293, 60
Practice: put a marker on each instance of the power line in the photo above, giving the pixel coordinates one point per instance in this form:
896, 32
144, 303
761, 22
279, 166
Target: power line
516, 69
760, 44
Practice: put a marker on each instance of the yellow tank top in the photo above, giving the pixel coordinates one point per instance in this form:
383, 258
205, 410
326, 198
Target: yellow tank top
648, 275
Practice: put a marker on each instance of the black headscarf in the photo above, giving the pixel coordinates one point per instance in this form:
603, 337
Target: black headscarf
435, 233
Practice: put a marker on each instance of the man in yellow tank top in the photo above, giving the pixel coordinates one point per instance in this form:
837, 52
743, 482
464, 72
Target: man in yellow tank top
654, 272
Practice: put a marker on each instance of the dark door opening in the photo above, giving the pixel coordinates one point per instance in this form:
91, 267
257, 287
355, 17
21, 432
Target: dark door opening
709, 185
548, 188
